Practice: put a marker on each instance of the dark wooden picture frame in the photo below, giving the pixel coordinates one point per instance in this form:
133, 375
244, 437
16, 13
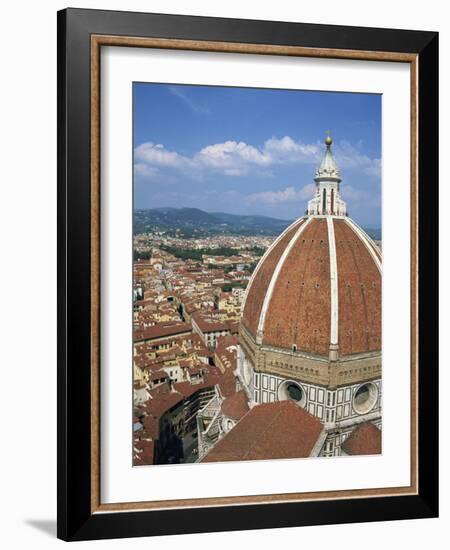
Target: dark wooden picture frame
81, 34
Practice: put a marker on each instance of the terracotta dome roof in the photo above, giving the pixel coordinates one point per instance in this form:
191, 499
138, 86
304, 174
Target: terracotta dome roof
318, 285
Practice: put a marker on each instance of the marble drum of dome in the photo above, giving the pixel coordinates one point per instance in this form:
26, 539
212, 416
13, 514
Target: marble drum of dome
310, 331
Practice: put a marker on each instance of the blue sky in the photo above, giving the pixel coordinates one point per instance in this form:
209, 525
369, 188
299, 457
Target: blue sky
253, 151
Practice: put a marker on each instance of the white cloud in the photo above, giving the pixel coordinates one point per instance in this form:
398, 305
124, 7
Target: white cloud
290, 194
348, 192
145, 170
236, 158
307, 191
287, 150
374, 168
157, 155
360, 197
349, 157
231, 157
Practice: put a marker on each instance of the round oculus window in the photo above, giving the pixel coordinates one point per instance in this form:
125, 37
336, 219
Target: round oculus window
365, 398
292, 391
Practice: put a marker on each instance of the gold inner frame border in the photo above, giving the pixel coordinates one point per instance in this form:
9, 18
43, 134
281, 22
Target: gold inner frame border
97, 41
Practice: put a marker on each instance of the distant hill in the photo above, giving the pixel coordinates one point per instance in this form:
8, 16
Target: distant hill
193, 222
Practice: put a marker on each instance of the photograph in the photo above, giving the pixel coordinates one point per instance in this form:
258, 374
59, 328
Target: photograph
257, 285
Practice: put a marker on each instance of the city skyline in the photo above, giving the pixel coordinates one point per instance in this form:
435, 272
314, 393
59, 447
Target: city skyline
252, 151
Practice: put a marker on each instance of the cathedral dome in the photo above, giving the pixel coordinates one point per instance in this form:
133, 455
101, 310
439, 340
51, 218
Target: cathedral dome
317, 289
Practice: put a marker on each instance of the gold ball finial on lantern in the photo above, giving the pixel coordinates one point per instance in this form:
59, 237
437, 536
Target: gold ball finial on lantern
328, 140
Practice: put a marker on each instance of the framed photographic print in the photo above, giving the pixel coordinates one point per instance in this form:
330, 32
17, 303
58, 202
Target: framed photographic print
247, 274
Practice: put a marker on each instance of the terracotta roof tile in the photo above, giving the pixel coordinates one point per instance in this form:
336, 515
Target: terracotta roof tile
261, 281
236, 405
161, 331
359, 293
364, 440
162, 403
227, 383
158, 375
269, 431
299, 310
144, 453
209, 324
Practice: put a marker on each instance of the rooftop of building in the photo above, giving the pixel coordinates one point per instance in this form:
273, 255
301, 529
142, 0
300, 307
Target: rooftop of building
364, 440
235, 406
161, 330
209, 324
269, 431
